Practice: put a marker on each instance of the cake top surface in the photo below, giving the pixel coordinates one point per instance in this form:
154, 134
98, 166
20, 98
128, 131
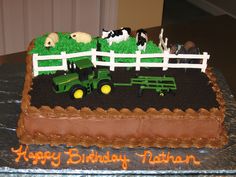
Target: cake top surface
89, 62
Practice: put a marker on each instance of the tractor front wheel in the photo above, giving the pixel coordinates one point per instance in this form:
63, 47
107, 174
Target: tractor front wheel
78, 92
105, 87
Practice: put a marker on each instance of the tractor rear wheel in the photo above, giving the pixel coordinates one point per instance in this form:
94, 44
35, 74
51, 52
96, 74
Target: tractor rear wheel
105, 87
77, 92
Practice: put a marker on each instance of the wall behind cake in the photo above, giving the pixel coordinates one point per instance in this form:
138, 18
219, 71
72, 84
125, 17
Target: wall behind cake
217, 7
23, 20
140, 13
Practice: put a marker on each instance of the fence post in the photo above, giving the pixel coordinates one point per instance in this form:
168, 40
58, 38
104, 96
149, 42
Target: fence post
160, 38
166, 59
166, 40
204, 61
64, 61
112, 60
35, 64
138, 60
94, 57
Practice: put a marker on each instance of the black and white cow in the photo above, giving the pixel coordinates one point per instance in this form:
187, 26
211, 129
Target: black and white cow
116, 35
141, 39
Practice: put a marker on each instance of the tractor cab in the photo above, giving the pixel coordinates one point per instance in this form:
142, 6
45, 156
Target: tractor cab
84, 68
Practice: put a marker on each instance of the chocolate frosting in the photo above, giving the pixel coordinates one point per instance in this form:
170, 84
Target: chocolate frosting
124, 127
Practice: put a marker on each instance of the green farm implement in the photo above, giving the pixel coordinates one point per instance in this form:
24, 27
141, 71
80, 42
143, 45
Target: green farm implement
161, 85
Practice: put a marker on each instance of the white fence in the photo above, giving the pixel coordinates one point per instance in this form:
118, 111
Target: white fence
112, 64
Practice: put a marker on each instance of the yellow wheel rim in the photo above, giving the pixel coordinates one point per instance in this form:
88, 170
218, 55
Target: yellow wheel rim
106, 89
78, 94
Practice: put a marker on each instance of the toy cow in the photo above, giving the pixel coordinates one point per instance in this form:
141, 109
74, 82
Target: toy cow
141, 39
116, 35
51, 40
189, 47
81, 37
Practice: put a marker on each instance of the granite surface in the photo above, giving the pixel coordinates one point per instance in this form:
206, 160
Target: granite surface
212, 161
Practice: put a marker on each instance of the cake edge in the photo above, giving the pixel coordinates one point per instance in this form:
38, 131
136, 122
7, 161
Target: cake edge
39, 138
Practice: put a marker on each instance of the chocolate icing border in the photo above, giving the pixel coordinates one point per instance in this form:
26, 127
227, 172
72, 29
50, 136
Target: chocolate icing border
111, 113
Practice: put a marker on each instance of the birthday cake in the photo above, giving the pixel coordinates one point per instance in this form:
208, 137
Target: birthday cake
119, 91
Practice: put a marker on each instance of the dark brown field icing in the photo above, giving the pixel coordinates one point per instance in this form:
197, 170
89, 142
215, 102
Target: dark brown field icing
193, 91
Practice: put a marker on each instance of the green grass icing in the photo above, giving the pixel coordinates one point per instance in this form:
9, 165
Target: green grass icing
129, 46
65, 43
69, 45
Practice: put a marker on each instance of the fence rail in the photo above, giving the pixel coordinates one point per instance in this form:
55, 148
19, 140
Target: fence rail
165, 64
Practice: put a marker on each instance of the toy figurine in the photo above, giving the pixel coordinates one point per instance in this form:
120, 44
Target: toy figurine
81, 37
161, 85
51, 40
141, 39
189, 47
116, 35
82, 79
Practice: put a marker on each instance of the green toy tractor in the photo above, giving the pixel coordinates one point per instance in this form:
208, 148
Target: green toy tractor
82, 79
